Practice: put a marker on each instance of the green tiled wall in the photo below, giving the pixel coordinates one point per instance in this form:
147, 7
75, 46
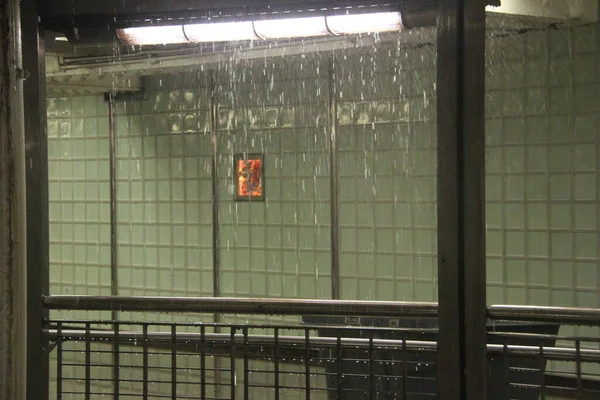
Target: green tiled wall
542, 168
387, 174
541, 178
279, 247
79, 196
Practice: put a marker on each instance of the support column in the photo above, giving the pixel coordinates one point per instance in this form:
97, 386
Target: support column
36, 164
462, 358
13, 246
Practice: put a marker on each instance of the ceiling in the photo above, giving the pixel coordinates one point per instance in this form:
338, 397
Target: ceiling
97, 67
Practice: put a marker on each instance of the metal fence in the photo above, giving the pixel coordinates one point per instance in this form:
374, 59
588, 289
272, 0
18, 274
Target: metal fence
337, 350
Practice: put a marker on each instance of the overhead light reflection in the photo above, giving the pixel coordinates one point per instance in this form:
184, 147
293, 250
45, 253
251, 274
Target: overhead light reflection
148, 35
220, 32
263, 29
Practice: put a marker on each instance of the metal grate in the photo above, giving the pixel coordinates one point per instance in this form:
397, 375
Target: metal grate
348, 356
209, 361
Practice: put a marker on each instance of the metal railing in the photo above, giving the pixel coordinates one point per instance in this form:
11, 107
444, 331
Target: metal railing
387, 352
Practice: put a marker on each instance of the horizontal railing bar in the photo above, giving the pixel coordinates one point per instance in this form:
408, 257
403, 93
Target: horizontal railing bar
548, 352
226, 305
278, 306
564, 315
225, 338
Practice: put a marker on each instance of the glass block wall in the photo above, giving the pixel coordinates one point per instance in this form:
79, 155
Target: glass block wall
542, 168
541, 177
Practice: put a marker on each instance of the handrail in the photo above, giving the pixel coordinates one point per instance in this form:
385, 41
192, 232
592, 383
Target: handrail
266, 306
563, 315
548, 352
242, 306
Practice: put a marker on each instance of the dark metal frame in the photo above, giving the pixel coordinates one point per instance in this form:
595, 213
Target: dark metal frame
462, 361
236, 305
461, 28
216, 256
112, 153
36, 153
334, 182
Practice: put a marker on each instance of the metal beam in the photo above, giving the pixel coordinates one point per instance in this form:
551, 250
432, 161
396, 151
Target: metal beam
566, 315
13, 235
333, 182
462, 363
243, 306
73, 8
36, 148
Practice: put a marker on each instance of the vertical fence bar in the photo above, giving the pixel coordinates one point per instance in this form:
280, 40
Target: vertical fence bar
462, 355
340, 376
542, 372
246, 366
116, 361
507, 383
404, 367
578, 367
145, 362
372, 387
232, 364
59, 361
88, 361
203, 361
307, 362
333, 172
173, 362
276, 361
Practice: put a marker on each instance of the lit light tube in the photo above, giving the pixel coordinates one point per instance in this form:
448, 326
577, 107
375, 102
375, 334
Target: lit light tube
220, 32
148, 35
291, 28
364, 23
263, 29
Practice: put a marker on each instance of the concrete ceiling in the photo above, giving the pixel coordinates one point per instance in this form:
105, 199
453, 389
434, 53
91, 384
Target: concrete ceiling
102, 68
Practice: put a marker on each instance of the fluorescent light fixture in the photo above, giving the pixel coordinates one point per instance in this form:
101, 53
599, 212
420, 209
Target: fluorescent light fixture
364, 23
148, 35
61, 39
220, 32
291, 27
263, 29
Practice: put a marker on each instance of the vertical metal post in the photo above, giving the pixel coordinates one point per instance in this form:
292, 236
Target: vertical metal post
13, 289
276, 362
333, 172
203, 362
232, 358
307, 362
116, 362
215, 215
112, 190
173, 362
36, 181
59, 361
88, 362
215, 188
462, 359
145, 364
246, 364
112, 144
340, 369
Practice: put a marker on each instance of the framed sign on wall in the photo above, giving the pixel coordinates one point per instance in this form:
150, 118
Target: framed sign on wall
249, 177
